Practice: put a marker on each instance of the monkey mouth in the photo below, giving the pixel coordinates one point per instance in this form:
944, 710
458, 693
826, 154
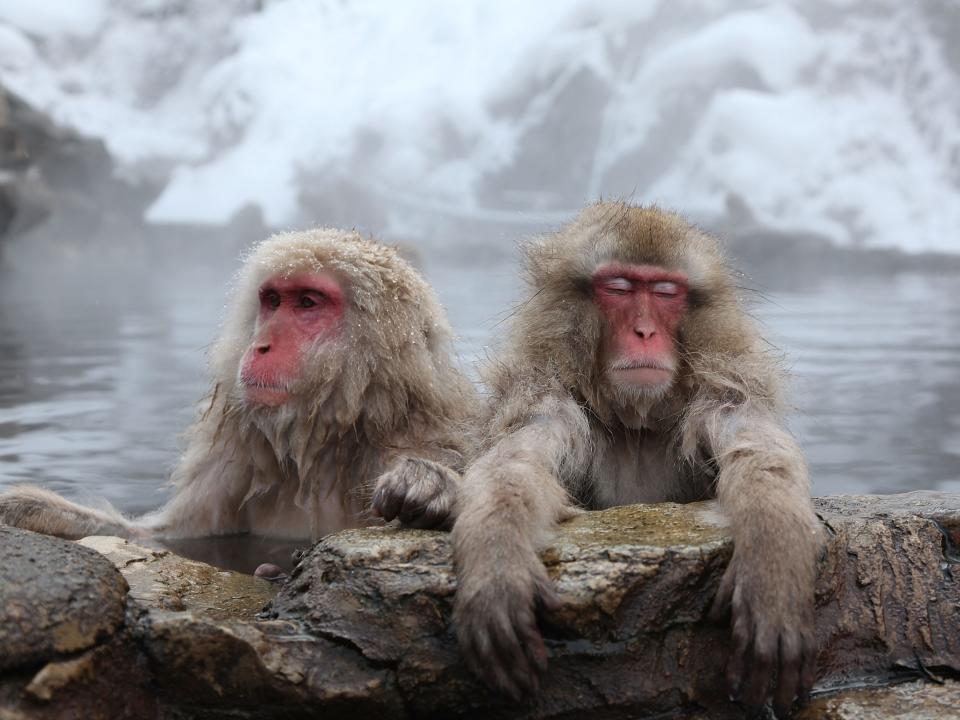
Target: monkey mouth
642, 372
265, 393
642, 364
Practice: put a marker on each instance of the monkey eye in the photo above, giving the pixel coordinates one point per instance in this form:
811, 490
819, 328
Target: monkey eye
271, 298
665, 288
617, 285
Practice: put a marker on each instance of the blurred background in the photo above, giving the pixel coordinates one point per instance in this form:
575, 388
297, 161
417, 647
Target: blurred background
145, 143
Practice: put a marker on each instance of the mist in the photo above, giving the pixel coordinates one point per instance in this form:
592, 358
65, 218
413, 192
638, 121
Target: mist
147, 144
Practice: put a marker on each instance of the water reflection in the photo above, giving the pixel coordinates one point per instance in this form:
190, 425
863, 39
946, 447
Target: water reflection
99, 373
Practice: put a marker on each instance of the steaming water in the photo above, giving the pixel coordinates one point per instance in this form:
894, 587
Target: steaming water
99, 374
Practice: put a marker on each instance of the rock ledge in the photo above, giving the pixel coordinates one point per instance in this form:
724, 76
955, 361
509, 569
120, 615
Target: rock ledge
363, 624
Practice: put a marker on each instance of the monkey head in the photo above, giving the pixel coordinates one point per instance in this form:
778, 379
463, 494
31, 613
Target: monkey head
329, 318
636, 291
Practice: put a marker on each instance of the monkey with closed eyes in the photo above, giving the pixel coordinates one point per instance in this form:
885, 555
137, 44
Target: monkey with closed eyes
632, 374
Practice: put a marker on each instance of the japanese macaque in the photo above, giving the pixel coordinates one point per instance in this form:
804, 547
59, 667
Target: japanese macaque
632, 374
334, 402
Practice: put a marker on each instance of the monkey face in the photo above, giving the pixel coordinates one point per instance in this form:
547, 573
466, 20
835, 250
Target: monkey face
642, 306
295, 313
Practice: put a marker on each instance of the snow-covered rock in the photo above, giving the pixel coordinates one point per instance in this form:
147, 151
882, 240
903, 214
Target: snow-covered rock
835, 117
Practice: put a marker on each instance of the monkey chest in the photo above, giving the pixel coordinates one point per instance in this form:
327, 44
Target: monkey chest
277, 513
642, 468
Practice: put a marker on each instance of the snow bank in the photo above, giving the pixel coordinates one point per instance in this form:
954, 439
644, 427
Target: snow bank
833, 117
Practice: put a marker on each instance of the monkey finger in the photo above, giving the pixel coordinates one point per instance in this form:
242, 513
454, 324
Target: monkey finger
434, 515
484, 661
512, 653
506, 680
757, 680
387, 500
788, 676
508, 648
501, 681
411, 510
720, 608
426, 511
508, 671
808, 671
740, 638
533, 644
475, 647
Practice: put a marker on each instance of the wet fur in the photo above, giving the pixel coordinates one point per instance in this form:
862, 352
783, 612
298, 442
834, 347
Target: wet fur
557, 438
383, 393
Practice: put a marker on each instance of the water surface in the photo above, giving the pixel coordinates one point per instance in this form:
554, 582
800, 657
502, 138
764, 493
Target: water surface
100, 369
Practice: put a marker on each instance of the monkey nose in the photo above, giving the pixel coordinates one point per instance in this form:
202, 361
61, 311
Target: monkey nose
644, 331
263, 349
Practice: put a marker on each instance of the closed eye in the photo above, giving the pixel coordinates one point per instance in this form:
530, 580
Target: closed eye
617, 286
665, 288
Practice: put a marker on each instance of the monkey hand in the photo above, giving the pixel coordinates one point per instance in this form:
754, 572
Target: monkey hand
769, 597
421, 493
495, 617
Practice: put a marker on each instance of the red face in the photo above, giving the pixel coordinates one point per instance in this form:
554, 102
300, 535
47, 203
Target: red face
643, 306
294, 313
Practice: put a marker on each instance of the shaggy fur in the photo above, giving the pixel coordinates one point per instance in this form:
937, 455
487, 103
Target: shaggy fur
559, 437
382, 392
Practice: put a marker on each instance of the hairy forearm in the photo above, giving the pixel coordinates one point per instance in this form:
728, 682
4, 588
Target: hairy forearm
518, 482
32, 508
764, 491
761, 466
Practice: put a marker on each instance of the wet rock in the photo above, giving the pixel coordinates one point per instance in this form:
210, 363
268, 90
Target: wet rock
910, 701
888, 594
635, 585
56, 598
25, 198
260, 670
362, 627
108, 682
52, 174
66, 650
159, 579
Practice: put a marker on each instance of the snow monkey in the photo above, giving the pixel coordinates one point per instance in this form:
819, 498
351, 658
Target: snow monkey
334, 401
631, 374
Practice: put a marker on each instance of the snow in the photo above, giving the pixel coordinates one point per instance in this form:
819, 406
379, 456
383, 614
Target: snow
848, 157
839, 118
76, 18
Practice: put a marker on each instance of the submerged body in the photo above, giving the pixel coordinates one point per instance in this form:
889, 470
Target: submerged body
335, 402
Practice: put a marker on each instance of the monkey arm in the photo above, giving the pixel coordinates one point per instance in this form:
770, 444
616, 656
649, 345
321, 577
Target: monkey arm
32, 508
209, 485
511, 499
764, 491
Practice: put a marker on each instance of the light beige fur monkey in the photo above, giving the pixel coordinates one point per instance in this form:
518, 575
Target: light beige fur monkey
334, 400
631, 374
